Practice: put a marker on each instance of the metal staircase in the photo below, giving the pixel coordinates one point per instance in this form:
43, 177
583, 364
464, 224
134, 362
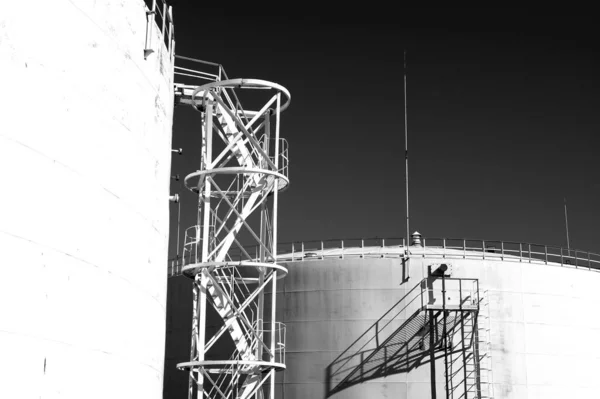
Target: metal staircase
249, 169
467, 350
484, 354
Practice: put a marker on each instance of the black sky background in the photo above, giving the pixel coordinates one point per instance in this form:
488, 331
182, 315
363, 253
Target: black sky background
502, 117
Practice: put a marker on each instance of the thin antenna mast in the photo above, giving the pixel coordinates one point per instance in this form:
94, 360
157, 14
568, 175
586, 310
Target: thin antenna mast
567, 228
406, 157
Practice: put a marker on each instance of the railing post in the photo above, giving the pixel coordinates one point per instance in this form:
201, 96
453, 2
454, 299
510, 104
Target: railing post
589, 262
444, 245
576, 260
521, 252
483, 248
502, 250
342, 245
460, 295
362, 248
464, 249
303, 254
561, 257
322, 251
293, 252
529, 249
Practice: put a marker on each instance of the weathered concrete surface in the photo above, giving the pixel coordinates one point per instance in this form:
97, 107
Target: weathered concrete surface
85, 169
542, 325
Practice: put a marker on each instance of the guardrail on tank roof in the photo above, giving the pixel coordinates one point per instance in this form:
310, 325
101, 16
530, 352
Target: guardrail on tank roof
444, 248
159, 13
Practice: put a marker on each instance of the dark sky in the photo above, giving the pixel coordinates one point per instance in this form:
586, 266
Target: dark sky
502, 117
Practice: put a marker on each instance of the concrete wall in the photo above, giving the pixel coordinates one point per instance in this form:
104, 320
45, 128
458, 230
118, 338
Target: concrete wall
543, 325
85, 157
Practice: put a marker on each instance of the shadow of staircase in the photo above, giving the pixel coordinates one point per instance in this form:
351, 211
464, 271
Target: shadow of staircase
384, 349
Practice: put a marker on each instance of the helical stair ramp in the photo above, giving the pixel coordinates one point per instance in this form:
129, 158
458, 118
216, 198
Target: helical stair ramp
250, 168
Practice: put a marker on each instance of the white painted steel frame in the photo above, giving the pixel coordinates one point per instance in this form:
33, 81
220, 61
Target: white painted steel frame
236, 289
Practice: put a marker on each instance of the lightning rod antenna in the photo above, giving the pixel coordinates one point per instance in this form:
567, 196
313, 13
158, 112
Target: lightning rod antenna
567, 228
406, 157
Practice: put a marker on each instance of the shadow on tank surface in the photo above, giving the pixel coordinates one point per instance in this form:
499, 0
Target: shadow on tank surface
383, 350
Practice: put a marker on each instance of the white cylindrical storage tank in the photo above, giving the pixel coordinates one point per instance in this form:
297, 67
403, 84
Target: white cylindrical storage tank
356, 326
85, 154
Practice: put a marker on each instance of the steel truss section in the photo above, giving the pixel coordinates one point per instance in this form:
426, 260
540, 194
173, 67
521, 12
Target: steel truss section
250, 168
464, 314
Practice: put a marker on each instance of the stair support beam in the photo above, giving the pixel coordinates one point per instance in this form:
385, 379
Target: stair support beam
432, 353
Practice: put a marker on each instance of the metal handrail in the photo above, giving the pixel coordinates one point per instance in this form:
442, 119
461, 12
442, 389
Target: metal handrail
159, 13
446, 248
440, 247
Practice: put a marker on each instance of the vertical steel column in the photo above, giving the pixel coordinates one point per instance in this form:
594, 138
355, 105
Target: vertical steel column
264, 219
273, 331
462, 338
475, 340
274, 228
195, 321
207, 185
432, 353
445, 332
207, 133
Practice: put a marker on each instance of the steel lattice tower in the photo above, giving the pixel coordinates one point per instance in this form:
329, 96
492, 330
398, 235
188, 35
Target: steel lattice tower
250, 167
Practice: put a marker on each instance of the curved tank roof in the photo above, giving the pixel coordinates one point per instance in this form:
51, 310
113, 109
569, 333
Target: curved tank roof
361, 321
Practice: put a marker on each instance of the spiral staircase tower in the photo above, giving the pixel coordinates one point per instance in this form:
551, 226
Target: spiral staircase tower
250, 168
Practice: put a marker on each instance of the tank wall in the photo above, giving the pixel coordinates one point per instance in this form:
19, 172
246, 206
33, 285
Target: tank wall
542, 326
326, 305
85, 153
541, 318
